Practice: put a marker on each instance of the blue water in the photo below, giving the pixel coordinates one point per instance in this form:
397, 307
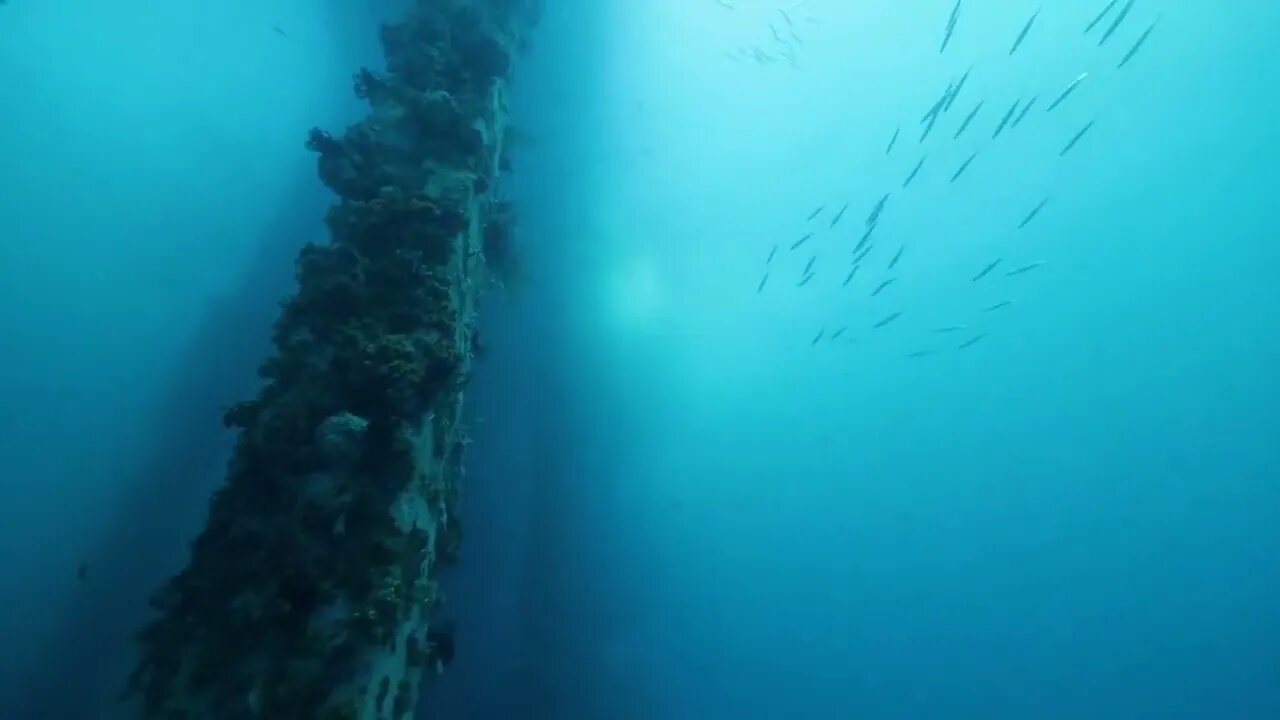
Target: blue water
678, 506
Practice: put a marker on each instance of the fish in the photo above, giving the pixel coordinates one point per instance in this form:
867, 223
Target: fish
874, 216
967, 119
950, 328
1032, 215
1005, 120
1076, 138
1024, 268
786, 17
776, 36
893, 140
772, 252
839, 215
1023, 113
801, 241
886, 320
866, 237
817, 337
725, 4
815, 213
1115, 24
915, 171
849, 278
1023, 35
997, 306
838, 333
970, 341
955, 92
862, 256
951, 27
880, 288
763, 280
809, 265
929, 128
82, 572
440, 638
963, 166
805, 280
1066, 93
1137, 45
921, 353
1105, 11
936, 108
986, 270
896, 257
279, 31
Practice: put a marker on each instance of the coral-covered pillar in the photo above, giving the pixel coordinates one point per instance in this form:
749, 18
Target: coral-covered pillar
310, 592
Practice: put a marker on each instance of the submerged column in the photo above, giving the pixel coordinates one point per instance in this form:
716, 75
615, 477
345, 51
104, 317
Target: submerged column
310, 591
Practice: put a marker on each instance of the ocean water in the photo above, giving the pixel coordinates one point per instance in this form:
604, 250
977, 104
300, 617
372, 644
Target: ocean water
679, 503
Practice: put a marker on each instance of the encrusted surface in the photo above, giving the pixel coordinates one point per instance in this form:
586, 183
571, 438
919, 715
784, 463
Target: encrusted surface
309, 592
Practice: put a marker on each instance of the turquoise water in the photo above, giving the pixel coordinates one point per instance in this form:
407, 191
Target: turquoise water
678, 504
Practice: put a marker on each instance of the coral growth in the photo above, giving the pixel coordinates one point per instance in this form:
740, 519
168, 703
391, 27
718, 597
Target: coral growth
316, 569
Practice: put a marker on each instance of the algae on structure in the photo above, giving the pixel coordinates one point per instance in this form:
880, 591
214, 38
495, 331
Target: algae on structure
310, 590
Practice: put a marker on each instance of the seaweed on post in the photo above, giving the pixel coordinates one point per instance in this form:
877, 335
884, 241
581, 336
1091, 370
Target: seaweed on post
311, 589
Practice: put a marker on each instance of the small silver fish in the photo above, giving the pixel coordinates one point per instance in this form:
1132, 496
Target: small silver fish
1067, 92
963, 166
882, 286
839, 215
1023, 35
1032, 215
886, 320
1124, 13
1137, 45
1025, 109
1076, 138
986, 270
1024, 268
865, 252
914, 171
1005, 120
968, 119
1105, 11
896, 257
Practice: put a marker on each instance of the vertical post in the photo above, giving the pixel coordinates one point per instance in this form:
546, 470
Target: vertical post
310, 591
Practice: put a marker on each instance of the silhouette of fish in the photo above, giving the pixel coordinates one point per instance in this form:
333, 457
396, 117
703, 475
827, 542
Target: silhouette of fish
1023, 35
1105, 11
440, 637
1136, 46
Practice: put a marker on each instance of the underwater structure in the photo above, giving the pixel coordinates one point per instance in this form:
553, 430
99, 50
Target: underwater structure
311, 591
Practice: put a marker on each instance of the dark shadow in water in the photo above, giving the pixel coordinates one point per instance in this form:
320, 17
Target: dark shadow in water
83, 669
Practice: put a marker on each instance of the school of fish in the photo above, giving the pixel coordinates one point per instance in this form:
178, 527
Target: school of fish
884, 278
